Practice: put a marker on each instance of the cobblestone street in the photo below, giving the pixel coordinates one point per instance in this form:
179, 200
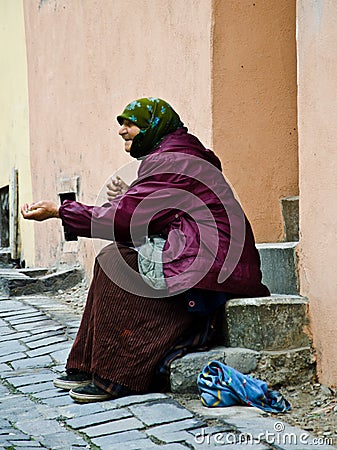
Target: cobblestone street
36, 335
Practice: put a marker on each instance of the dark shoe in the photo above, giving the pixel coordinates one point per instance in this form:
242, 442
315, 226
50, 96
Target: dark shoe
72, 380
89, 393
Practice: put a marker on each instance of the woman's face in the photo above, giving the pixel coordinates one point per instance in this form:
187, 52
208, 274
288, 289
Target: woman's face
128, 131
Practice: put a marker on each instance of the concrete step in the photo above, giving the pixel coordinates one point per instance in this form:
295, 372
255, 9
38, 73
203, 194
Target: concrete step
264, 337
36, 271
267, 323
16, 283
277, 368
184, 371
290, 215
287, 367
279, 267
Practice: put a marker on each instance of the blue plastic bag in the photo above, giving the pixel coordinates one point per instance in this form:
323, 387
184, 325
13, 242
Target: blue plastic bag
221, 385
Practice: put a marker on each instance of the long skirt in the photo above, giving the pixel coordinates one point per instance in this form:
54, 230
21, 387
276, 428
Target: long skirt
126, 340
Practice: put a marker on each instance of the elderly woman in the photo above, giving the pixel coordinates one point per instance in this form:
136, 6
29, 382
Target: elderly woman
181, 245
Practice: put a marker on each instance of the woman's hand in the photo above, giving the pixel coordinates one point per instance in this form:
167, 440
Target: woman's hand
40, 211
116, 187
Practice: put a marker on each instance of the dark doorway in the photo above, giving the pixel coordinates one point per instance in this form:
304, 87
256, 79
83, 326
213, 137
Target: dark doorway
4, 217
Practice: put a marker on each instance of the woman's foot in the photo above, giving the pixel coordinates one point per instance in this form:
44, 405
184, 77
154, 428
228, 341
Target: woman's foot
72, 380
89, 393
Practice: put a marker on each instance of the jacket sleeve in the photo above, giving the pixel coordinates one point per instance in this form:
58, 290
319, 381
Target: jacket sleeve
146, 208
167, 187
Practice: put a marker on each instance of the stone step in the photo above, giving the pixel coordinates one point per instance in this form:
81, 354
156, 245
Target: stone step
277, 368
16, 283
267, 323
35, 271
184, 371
290, 215
279, 267
62, 279
287, 367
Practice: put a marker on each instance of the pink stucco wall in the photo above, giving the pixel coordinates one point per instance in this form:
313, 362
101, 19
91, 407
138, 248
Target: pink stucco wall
86, 61
228, 67
255, 106
317, 103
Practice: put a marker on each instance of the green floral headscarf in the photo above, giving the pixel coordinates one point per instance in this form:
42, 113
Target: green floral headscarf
155, 118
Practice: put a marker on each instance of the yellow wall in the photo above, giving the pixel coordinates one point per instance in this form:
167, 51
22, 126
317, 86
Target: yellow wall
254, 98
317, 81
14, 128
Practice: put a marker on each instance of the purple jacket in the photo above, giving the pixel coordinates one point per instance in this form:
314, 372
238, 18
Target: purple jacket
181, 194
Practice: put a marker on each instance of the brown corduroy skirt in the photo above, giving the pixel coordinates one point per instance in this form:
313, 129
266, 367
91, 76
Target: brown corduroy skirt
122, 335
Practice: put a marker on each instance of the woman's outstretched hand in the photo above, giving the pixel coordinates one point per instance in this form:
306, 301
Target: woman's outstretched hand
40, 211
116, 187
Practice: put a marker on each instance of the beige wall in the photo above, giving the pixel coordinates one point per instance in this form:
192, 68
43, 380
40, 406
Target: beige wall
254, 98
14, 129
317, 80
86, 61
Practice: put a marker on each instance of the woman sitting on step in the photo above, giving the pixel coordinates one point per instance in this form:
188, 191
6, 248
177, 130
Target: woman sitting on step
181, 245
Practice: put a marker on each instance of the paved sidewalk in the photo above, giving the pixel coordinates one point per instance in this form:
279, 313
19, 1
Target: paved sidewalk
36, 335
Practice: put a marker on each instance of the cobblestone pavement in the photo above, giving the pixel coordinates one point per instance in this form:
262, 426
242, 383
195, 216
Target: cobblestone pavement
36, 335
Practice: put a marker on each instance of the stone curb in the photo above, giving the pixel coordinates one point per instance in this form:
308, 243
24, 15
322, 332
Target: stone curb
19, 282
